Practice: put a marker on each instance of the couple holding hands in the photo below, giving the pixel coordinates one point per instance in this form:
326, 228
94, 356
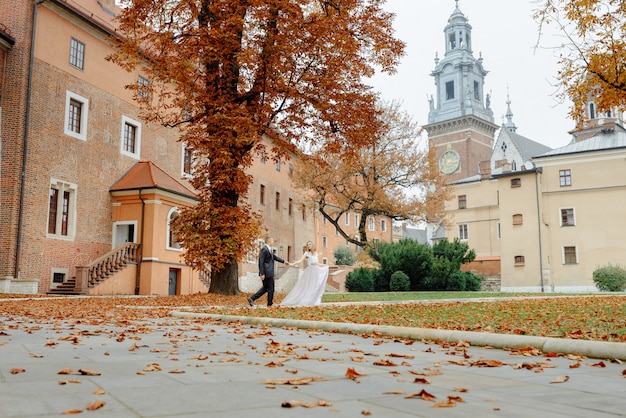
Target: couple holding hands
309, 288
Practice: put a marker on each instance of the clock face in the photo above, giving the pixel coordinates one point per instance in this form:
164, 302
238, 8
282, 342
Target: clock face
449, 162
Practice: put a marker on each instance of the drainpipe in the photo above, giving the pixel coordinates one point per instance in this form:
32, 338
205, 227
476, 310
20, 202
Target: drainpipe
138, 276
20, 219
538, 172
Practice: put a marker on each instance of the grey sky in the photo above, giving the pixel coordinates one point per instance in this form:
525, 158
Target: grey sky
506, 35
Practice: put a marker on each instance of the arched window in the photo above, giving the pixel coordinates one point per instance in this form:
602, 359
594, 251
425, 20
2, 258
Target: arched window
172, 243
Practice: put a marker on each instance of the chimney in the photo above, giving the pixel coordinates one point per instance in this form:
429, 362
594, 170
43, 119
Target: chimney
484, 168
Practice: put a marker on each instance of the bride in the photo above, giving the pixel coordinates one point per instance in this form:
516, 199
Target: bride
310, 287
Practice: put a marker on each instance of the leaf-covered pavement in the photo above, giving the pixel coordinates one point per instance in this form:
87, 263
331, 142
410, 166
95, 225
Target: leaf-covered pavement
600, 318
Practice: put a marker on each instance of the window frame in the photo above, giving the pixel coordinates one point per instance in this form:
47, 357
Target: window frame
519, 260
462, 201
569, 214
169, 234
371, 223
383, 225
63, 229
565, 177
69, 129
77, 54
449, 89
567, 252
463, 232
262, 194
518, 219
143, 87
126, 121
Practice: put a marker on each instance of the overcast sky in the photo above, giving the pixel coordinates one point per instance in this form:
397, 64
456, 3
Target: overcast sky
506, 34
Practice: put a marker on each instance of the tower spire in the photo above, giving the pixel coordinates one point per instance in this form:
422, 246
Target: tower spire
510, 126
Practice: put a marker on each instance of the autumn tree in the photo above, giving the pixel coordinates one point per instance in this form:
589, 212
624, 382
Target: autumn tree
228, 72
392, 175
593, 55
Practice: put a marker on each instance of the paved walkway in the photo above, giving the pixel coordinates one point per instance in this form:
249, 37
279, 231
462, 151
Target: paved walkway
188, 366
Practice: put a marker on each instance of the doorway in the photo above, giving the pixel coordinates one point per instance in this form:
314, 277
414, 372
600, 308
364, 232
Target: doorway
173, 282
124, 232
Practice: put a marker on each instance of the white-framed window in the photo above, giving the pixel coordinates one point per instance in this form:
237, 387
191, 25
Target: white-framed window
131, 137
324, 260
278, 165
570, 254
567, 217
123, 232
61, 210
172, 242
383, 225
58, 276
76, 113
463, 233
77, 54
370, 223
324, 241
356, 219
347, 218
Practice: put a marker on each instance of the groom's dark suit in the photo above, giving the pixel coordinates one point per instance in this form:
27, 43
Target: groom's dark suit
266, 272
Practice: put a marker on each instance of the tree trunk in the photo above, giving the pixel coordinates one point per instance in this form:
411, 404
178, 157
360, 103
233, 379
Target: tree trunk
226, 280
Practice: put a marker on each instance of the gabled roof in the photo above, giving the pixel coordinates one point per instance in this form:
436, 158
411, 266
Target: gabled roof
147, 175
527, 147
599, 142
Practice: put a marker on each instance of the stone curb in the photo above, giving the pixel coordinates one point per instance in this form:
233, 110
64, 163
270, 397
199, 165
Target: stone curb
591, 349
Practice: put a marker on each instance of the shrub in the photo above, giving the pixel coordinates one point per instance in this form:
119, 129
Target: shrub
399, 282
408, 256
610, 278
344, 256
360, 280
464, 281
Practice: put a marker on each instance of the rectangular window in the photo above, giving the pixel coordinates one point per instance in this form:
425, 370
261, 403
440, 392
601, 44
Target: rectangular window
516, 182
324, 241
131, 137
290, 169
520, 260
262, 194
463, 234
569, 255
498, 231
76, 111
356, 219
187, 161
278, 165
77, 54
303, 212
370, 223
61, 210
263, 154
462, 201
277, 201
567, 217
143, 87
347, 219
290, 207
476, 90
383, 225
449, 90
73, 122
324, 221
565, 178
518, 219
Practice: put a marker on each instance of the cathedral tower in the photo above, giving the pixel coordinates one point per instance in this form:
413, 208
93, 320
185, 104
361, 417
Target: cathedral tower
460, 121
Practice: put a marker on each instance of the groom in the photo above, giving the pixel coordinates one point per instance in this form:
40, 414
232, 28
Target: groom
266, 272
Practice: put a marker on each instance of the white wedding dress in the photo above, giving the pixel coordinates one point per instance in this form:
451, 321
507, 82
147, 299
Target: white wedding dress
310, 287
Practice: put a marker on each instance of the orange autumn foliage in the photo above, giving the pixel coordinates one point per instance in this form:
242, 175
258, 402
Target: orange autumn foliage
228, 73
